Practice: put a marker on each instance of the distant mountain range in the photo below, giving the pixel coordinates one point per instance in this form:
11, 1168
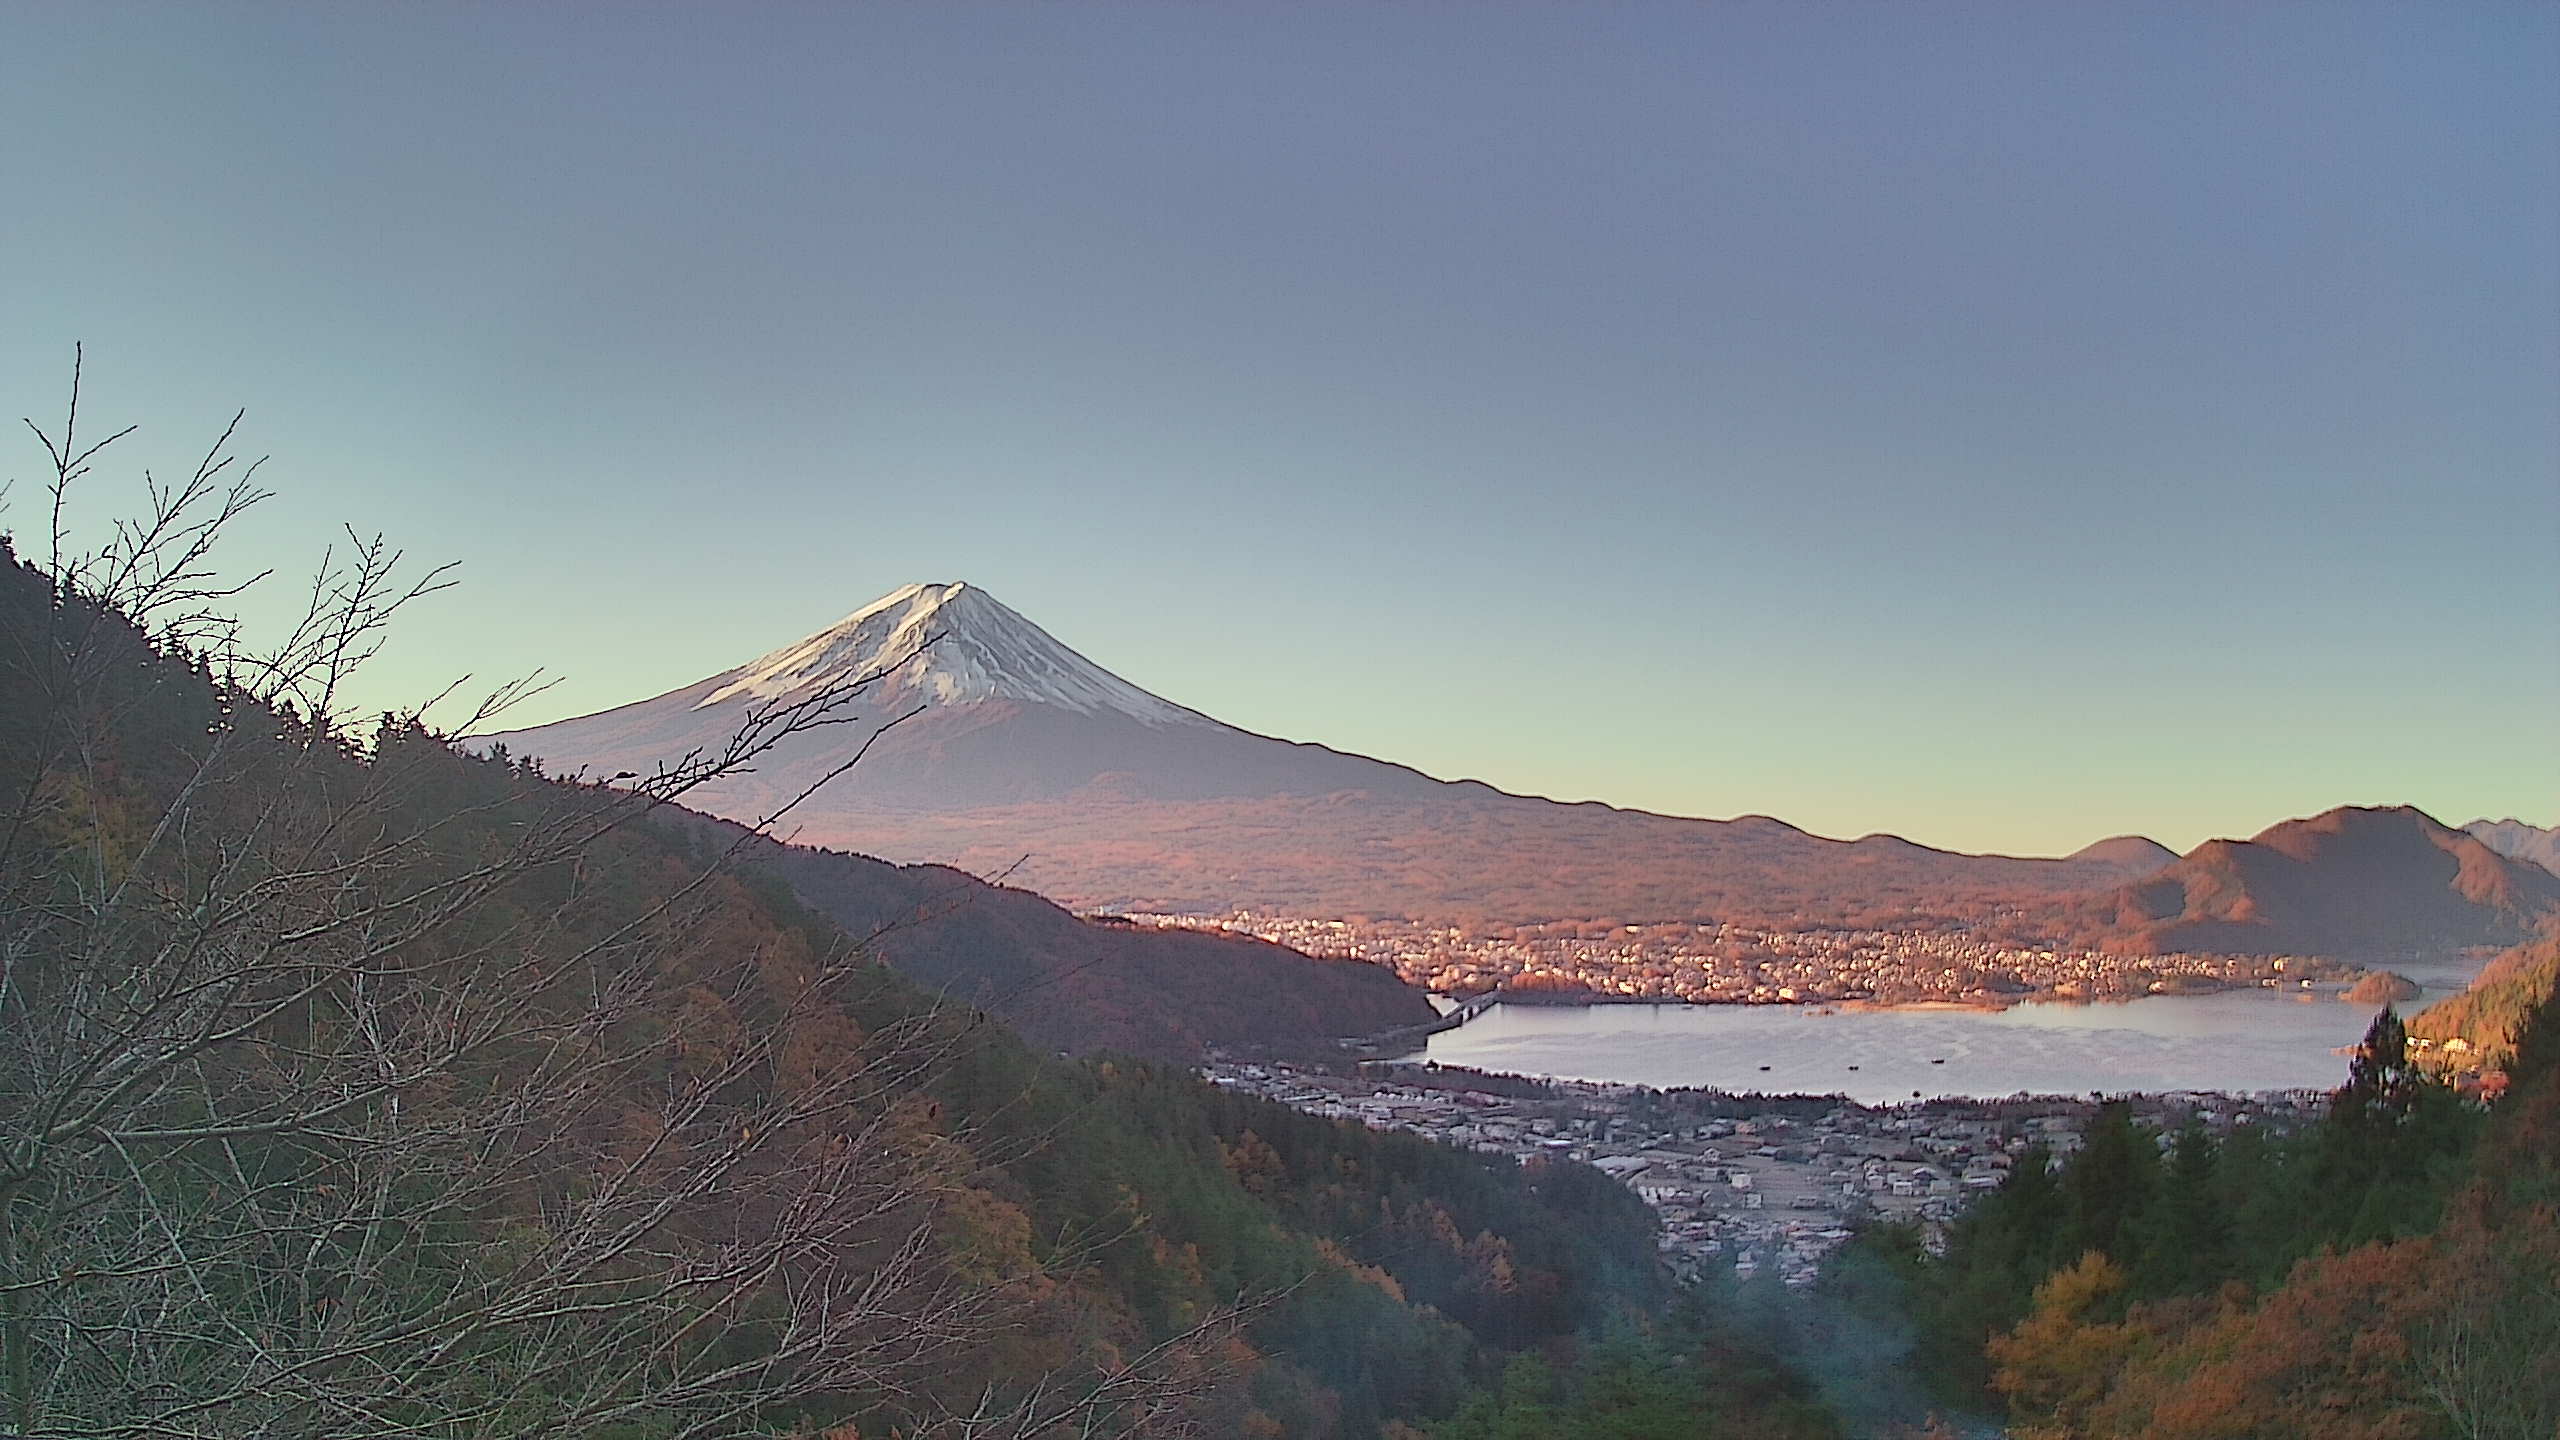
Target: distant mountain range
1022, 756
2369, 884
2518, 841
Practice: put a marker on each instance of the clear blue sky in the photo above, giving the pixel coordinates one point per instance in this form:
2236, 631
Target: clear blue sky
2001, 425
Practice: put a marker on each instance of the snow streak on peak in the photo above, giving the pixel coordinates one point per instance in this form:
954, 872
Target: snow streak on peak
946, 644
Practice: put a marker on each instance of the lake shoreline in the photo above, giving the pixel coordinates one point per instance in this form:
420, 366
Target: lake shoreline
1592, 999
2248, 1040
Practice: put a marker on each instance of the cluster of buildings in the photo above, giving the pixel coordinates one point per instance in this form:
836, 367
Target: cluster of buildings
1746, 964
1749, 1183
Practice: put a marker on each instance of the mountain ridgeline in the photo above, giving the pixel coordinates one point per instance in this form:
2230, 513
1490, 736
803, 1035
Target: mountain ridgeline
2535, 844
1024, 757
2368, 884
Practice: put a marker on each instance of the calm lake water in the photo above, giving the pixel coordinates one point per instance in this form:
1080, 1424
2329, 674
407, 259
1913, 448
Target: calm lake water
2241, 1040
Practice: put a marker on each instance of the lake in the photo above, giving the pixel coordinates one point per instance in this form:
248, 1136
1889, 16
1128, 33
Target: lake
2241, 1040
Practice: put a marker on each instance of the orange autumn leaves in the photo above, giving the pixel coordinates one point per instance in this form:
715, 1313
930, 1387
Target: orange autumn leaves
2450, 1334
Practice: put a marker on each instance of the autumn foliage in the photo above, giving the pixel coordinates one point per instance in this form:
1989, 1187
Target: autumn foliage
2447, 1331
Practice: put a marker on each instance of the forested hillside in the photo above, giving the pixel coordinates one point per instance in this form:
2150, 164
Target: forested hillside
1076, 985
2393, 1271
2475, 1032
359, 1087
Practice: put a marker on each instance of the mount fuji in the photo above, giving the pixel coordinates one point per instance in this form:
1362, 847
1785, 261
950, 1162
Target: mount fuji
1013, 752
946, 645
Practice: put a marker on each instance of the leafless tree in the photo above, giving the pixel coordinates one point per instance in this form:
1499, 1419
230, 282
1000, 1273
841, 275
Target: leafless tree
350, 1087
2482, 1359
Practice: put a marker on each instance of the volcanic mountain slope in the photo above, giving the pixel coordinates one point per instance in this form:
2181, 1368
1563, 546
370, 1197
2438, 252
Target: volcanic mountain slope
1023, 756
1076, 985
2518, 841
2369, 884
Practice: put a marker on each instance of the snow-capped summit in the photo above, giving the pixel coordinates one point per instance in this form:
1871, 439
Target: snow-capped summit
1010, 716
945, 644
1030, 759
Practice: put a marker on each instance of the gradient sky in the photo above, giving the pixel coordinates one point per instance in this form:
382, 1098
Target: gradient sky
2000, 425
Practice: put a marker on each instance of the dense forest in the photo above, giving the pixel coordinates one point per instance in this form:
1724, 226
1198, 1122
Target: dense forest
2392, 1270
360, 1086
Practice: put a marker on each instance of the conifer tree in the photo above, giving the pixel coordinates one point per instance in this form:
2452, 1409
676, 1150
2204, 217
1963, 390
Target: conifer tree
2109, 1181
2185, 1239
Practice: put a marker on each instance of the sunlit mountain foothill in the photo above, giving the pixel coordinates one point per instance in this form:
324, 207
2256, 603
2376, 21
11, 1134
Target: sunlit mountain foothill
1138, 722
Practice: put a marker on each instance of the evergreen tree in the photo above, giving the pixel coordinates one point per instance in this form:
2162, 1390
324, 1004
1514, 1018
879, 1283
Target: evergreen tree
2185, 1237
2382, 1083
2386, 1153
2109, 1181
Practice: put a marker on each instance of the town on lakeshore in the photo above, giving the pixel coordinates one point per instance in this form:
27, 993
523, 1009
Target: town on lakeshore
1758, 1183
1746, 964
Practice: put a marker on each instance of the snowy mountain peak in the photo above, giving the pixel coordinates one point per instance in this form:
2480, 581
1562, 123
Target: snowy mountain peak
945, 644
